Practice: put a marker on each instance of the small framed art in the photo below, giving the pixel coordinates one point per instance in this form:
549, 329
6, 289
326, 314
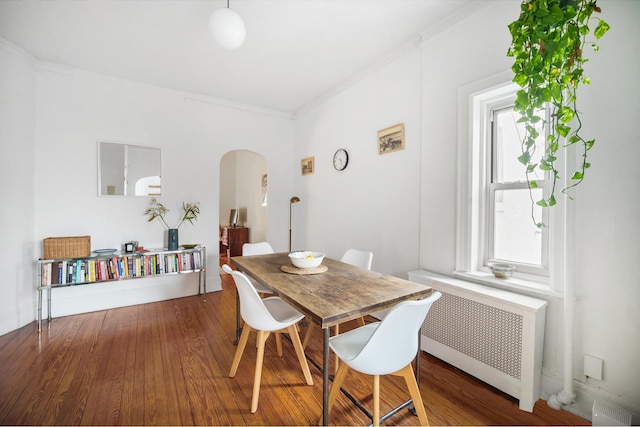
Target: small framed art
307, 165
391, 139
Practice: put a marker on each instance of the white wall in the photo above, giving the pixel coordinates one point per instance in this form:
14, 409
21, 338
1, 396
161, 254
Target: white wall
607, 204
373, 204
17, 148
57, 192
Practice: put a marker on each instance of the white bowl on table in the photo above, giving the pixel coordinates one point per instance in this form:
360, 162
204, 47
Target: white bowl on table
306, 259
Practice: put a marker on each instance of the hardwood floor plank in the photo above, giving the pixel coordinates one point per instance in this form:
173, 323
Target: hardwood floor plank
167, 363
106, 400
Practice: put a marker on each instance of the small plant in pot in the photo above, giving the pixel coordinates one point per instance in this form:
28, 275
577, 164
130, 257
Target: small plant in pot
158, 211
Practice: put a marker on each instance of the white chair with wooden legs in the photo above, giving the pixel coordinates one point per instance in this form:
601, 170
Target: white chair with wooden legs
384, 348
260, 248
362, 259
265, 316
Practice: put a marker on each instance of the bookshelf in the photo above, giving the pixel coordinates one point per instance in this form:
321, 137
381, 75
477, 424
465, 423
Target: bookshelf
108, 267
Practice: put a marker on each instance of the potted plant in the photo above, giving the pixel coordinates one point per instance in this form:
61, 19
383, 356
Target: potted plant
547, 46
158, 211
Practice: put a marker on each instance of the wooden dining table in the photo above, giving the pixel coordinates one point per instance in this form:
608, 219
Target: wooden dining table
341, 293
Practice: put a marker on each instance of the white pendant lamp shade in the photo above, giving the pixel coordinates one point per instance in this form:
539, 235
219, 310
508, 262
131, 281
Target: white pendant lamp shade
227, 28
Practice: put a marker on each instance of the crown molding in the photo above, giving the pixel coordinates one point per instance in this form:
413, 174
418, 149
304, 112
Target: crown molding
221, 102
17, 51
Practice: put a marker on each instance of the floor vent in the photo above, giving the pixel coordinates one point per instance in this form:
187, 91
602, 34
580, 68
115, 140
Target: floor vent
605, 414
494, 335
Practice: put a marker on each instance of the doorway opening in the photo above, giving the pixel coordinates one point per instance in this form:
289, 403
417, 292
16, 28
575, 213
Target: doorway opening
243, 187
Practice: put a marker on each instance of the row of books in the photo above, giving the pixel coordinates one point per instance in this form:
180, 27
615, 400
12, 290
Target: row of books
70, 272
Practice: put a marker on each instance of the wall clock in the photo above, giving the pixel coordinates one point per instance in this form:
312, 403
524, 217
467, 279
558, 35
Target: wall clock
340, 159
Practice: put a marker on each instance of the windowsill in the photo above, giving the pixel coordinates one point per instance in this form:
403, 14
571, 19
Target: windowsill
528, 284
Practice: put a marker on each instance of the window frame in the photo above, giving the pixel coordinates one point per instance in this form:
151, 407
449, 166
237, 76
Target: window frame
471, 203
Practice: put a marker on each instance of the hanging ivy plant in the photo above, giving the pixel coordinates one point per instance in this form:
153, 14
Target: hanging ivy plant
547, 46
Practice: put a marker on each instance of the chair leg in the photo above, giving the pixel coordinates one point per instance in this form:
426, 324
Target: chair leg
262, 337
239, 350
376, 400
338, 379
297, 345
414, 391
279, 343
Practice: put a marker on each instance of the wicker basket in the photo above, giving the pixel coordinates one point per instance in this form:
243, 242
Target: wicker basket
66, 247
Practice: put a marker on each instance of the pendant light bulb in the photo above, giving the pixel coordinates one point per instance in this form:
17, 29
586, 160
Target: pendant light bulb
227, 28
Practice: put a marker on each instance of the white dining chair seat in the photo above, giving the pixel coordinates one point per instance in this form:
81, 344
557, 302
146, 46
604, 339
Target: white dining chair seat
281, 312
348, 344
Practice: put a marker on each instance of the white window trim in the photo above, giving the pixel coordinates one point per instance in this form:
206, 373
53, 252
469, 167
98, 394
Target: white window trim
470, 215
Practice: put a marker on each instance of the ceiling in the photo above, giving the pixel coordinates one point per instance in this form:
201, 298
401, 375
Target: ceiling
296, 51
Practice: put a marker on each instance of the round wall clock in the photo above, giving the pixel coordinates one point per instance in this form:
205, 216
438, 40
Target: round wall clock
340, 159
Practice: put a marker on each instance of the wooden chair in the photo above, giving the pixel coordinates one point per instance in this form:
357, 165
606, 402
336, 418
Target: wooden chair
265, 316
384, 348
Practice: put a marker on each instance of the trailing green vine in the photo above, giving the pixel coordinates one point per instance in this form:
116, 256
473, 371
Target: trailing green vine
547, 45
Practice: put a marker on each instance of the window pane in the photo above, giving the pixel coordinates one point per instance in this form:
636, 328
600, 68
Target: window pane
516, 238
508, 139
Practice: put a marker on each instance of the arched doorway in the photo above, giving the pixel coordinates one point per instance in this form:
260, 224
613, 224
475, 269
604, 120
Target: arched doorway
243, 186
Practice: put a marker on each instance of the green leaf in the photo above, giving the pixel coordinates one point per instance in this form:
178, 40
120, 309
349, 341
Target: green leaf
521, 79
601, 29
563, 130
577, 175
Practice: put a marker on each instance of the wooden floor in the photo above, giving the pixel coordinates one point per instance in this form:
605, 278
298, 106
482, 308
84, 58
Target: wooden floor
167, 363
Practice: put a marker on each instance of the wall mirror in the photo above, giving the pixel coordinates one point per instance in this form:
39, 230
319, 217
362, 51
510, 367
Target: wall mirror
128, 170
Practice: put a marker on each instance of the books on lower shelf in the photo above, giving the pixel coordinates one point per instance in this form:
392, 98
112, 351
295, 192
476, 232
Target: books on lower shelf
75, 271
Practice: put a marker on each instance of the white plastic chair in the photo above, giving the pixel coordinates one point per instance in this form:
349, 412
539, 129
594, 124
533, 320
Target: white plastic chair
260, 248
362, 259
265, 316
384, 348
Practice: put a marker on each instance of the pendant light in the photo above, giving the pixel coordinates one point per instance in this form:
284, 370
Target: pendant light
227, 28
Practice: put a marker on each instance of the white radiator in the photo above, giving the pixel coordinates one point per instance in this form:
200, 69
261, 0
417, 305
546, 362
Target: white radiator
494, 335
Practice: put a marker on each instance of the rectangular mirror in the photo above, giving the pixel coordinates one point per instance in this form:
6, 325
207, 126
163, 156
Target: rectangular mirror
128, 170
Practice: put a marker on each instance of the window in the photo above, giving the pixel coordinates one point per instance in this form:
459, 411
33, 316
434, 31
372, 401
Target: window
511, 233
495, 215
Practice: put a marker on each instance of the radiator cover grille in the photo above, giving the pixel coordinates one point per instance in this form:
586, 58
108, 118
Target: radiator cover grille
493, 334
485, 333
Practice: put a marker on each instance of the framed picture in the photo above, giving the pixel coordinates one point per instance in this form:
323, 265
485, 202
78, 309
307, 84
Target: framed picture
307, 166
391, 139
